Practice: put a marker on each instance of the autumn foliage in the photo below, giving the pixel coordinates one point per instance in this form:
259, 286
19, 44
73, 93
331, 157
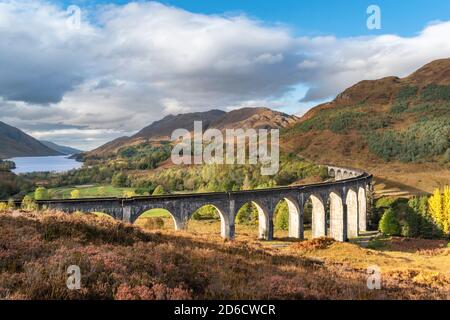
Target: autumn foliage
120, 261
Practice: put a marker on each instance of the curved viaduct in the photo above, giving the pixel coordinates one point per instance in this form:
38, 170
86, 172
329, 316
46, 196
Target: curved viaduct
346, 198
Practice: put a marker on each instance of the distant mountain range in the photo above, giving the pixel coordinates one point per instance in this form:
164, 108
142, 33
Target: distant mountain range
16, 143
62, 149
257, 118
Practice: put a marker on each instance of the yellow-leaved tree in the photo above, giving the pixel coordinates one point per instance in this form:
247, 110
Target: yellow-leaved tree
446, 209
439, 208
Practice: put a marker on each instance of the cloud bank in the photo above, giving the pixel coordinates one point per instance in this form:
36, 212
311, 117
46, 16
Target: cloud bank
129, 65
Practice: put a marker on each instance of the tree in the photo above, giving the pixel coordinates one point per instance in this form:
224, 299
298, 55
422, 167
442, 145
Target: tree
28, 203
41, 194
75, 194
11, 204
128, 194
389, 224
446, 210
119, 180
246, 185
159, 190
248, 214
435, 207
282, 216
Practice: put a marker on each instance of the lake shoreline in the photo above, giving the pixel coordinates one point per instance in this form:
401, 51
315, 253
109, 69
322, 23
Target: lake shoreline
42, 164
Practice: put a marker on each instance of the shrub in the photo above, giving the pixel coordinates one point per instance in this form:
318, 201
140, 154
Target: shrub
11, 204
75, 194
434, 92
41, 194
3, 206
119, 180
159, 190
446, 156
410, 226
389, 224
419, 207
421, 140
248, 214
346, 120
406, 93
384, 202
399, 108
282, 216
206, 213
28, 204
154, 223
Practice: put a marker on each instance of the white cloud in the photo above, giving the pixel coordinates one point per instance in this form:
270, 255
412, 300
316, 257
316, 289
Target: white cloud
130, 65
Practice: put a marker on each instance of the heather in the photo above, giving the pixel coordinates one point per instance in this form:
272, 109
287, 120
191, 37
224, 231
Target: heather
121, 261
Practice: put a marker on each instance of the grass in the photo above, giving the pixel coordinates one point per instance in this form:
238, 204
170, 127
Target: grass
120, 261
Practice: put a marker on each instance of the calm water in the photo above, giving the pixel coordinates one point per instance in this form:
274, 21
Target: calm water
43, 164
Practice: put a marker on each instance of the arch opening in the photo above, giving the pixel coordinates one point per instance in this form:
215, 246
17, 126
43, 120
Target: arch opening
206, 220
253, 218
288, 219
157, 219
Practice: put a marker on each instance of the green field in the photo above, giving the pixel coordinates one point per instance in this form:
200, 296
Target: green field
88, 191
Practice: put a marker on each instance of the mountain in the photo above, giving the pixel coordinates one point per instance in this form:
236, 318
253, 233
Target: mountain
162, 130
255, 118
392, 126
16, 143
61, 149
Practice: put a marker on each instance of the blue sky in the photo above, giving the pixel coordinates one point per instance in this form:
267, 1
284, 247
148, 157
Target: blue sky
342, 18
125, 65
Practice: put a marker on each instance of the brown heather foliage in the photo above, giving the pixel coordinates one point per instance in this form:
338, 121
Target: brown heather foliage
119, 261
313, 244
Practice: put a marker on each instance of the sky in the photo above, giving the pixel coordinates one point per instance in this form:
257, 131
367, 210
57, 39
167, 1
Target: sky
82, 73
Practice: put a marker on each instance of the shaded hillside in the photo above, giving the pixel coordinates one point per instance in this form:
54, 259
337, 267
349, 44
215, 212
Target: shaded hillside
62, 149
162, 130
16, 143
404, 120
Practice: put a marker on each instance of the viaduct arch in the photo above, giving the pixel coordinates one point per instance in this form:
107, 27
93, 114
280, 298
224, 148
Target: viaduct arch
346, 195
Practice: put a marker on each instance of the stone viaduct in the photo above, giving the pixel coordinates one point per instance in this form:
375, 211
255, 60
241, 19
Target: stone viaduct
338, 207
